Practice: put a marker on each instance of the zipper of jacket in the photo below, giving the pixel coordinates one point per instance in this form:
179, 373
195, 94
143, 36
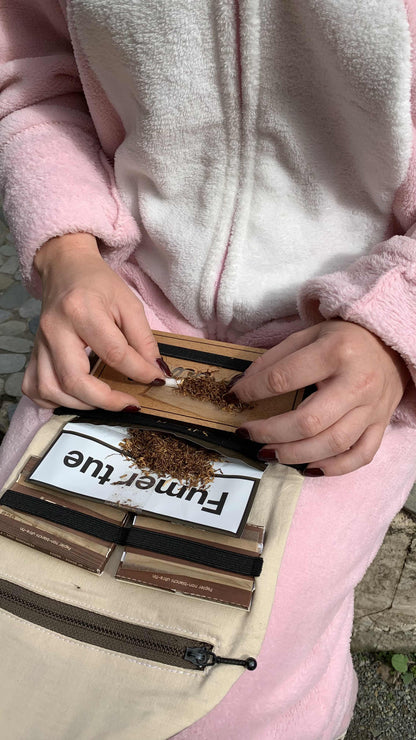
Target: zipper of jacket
111, 634
240, 98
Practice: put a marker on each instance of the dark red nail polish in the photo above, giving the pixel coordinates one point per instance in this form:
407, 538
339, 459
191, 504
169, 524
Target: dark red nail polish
234, 379
163, 366
267, 455
243, 433
131, 409
313, 472
157, 381
231, 398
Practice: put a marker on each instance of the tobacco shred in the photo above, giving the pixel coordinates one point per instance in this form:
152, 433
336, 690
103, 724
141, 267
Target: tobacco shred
167, 455
207, 388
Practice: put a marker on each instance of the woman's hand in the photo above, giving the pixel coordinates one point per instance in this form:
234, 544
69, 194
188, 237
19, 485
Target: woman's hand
338, 428
85, 304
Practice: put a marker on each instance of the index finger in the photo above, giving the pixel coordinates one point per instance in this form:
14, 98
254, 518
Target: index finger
304, 367
136, 329
286, 347
314, 415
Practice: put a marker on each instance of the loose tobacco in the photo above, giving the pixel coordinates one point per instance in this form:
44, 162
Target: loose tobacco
206, 388
167, 455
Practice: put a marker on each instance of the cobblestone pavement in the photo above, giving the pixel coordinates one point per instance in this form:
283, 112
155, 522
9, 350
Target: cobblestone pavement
19, 315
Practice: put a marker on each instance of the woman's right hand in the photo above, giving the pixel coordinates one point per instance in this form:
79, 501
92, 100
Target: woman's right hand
86, 304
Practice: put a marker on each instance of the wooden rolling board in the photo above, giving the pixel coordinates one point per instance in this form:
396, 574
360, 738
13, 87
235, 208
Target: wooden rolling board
189, 355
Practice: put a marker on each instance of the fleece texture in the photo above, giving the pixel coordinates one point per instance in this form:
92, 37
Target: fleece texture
56, 177
228, 155
236, 148
378, 290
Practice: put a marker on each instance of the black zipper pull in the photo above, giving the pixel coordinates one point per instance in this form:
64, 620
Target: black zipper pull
201, 657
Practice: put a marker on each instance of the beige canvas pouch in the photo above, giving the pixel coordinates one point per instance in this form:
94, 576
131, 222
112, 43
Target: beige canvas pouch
93, 658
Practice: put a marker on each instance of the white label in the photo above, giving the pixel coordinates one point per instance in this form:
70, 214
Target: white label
80, 462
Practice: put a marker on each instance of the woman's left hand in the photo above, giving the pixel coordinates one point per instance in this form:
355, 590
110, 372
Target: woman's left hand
338, 428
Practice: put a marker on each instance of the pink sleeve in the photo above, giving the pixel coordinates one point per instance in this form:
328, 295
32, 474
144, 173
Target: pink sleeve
378, 291
54, 176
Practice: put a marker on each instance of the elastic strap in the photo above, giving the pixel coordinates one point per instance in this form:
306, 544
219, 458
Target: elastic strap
66, 517
195, 552
143, 539
205, 358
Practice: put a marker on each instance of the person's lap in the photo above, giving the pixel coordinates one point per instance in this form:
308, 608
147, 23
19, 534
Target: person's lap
304, 686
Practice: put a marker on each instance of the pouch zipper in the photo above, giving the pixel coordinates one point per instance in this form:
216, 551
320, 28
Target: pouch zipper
111, 634
203, 657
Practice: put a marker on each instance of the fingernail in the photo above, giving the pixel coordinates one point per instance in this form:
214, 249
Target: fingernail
163, 366
313, 472
234, 379
243, 433
267, 455
131, 409
230, 398
157, 381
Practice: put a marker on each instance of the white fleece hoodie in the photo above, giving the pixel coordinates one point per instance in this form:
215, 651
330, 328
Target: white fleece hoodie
264, 143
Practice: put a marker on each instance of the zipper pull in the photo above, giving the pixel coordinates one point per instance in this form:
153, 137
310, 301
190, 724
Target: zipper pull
201, 657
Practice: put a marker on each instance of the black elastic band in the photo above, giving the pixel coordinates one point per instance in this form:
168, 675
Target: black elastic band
195, 552
66, 517
158, 542
205, 358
